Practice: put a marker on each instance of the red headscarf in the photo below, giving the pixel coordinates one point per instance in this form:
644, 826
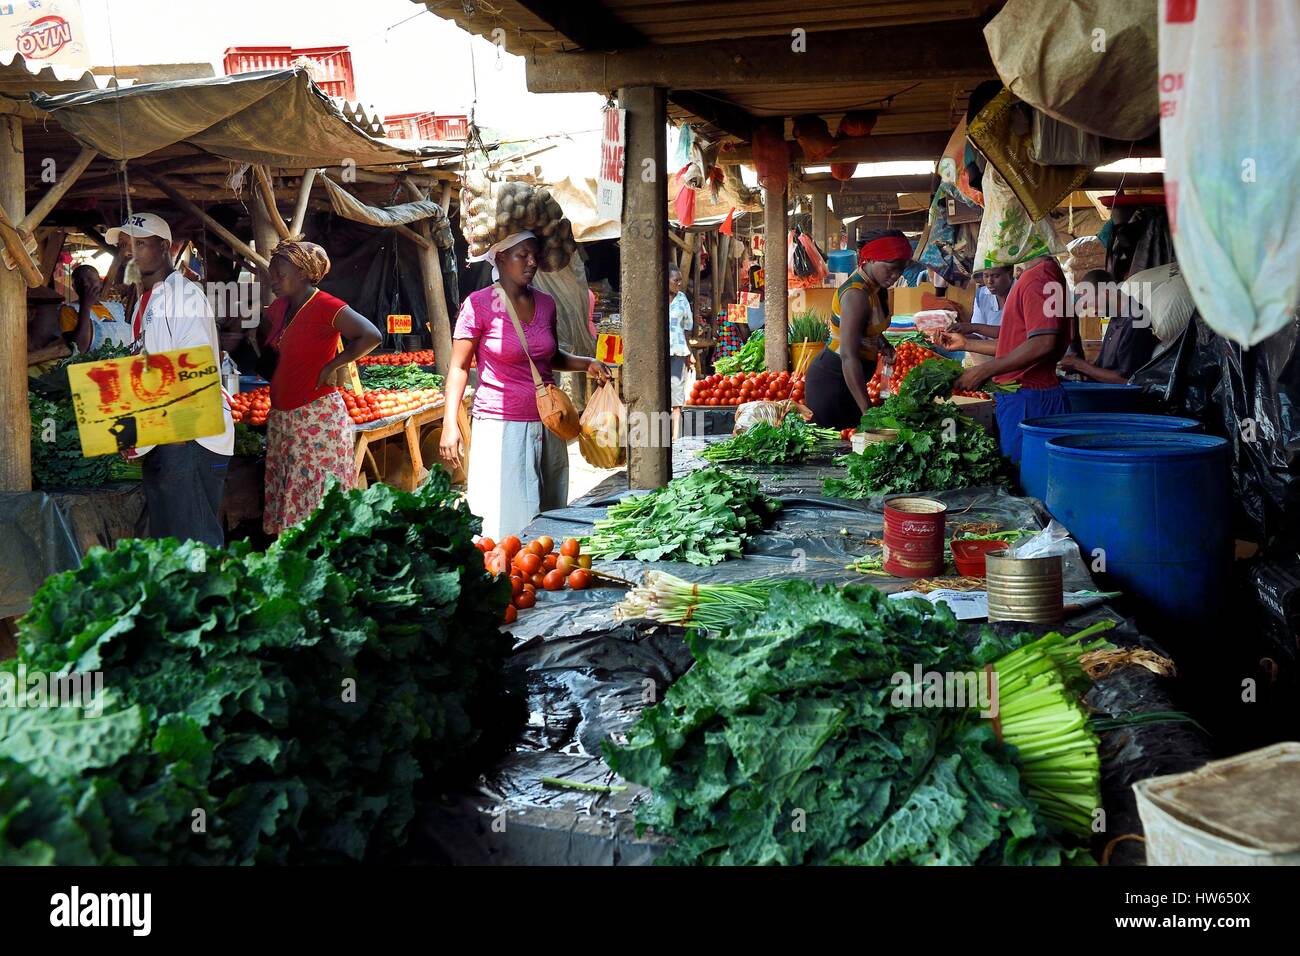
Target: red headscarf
885, 249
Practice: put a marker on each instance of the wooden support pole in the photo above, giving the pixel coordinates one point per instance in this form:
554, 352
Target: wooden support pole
715, 272
435, 298
300, 207
819, 211
15, 419
267, 191
61, 185
776, 321
226, 236
51, 246
19, 247
415, 237
265, 238
644, 284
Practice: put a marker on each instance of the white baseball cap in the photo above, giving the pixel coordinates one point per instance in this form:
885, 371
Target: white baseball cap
137, 226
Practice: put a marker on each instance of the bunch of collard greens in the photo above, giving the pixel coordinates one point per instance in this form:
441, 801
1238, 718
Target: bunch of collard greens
398, 377
782, 746
937, 447
766, 444
702, 518
301, 699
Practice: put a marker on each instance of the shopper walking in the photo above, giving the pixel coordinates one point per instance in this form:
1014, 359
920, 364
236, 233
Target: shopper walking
517, 468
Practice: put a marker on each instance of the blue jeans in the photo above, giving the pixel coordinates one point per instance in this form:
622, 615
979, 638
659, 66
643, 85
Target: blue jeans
1012, 408
183, 486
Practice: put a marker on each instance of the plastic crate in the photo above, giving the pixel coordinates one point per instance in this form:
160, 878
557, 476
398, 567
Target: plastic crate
330, 67
427, 126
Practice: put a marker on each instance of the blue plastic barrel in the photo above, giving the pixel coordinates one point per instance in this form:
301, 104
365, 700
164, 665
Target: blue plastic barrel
1103, 397
1155, 507
1036, 432
841, 260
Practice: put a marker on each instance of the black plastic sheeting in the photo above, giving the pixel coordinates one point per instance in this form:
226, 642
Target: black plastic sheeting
45, 533
1251, 397
379, 275
589, 677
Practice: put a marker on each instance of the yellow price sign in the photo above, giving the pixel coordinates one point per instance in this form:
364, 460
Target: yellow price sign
609, 348
142, 400
399, 324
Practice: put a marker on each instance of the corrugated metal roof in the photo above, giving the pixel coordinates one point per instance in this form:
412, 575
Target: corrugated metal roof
18, 77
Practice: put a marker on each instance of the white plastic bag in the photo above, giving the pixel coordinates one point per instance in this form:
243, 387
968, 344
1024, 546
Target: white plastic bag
773, 413
1007, 235
1230, 108
602, 422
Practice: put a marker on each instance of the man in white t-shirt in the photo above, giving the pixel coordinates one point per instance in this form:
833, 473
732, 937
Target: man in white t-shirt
183, 482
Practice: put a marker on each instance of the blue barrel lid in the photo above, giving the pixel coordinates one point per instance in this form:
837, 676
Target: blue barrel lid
1106, 422
1099, 387
1137, 445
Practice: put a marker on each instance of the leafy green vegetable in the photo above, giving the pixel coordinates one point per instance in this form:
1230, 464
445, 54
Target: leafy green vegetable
766, 444
703, 518
297, 697
248, 441
784, 744
398, 377
748, 358
57, 461
935, 459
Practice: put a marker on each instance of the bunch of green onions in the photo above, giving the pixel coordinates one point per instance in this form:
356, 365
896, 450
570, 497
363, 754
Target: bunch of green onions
1041, 714
712, 607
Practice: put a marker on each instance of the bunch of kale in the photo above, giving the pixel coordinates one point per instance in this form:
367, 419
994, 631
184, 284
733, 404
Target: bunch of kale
283, 707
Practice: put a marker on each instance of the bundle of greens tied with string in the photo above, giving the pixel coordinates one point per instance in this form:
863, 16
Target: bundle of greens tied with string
807, 733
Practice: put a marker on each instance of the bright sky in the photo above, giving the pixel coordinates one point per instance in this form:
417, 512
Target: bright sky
404, 59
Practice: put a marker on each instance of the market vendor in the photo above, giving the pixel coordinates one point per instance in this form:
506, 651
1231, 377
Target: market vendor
517, 468
90, 321
1128, 343
836, 388
1035, 332
310, 436
183, 481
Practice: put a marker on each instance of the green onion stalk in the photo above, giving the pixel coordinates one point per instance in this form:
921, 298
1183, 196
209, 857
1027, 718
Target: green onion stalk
669, 599
1041, 714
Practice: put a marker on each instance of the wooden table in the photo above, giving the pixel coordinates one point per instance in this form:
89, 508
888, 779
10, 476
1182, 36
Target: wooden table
395, 453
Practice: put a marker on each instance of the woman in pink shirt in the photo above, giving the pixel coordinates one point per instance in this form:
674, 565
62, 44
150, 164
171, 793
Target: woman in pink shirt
517, 469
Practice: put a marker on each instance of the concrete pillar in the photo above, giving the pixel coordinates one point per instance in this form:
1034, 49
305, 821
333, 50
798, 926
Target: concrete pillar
15, 419
776, 321
644, 286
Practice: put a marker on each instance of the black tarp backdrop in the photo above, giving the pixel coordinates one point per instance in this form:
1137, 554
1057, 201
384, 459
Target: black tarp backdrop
1252, 398
378, 274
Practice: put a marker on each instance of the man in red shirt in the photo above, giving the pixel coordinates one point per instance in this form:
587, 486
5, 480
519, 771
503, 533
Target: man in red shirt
1036, 331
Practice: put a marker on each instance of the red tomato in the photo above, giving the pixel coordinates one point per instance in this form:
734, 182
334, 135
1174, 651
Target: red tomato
525, 600
580, 579
546, 543
512, 615
539, 580
516, 585
528, 562
533, 547
488, 544
565, 563
548, 562
571, 547
554, 581
511, 544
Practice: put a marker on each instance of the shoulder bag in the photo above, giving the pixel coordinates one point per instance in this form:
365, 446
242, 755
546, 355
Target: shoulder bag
553, 406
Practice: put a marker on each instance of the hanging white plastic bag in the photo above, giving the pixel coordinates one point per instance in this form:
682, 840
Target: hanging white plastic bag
1007, 234
1229, 111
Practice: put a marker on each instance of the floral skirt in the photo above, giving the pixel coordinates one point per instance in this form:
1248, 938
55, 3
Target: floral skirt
304, 448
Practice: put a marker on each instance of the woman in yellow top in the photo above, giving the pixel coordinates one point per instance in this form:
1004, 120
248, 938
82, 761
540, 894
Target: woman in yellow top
836, 389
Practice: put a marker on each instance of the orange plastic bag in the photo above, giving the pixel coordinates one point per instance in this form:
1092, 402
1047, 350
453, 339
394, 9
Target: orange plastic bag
603, 424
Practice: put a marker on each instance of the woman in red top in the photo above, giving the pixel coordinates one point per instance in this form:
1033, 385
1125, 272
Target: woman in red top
309, 434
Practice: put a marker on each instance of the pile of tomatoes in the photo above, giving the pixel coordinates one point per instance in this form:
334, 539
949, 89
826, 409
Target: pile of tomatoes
535, 566
747, 387
422, 357
907, 356
251, 407
380, 403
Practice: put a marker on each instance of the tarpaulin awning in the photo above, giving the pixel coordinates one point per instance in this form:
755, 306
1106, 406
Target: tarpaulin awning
349, 206
275, 117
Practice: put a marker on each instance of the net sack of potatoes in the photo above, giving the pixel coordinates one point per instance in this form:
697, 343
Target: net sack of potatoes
497, 209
